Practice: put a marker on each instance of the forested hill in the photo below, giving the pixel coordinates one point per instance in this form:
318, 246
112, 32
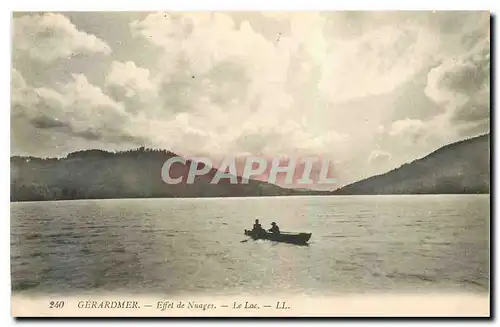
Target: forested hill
96, 174
461, 167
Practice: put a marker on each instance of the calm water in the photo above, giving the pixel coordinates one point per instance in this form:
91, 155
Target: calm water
359, 244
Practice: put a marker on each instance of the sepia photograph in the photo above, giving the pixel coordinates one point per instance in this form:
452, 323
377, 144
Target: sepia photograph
250, 164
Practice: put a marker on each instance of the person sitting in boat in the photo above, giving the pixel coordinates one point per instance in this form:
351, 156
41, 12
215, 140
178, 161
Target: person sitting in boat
257, 227
274, 229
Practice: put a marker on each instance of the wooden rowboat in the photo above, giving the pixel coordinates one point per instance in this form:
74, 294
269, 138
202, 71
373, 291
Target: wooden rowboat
284, 237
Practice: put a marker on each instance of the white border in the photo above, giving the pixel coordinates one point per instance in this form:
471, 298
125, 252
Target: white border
5, 22
186, 5
257, 5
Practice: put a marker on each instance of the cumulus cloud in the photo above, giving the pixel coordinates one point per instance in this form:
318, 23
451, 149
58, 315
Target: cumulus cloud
461, 84
299, 75
463, 76
376, 62
406, 126
20, 93
238, 84
135, 87
458, 84
421, 135
331, 84
302, 91
135, 81
77, 108
17, 80
46, 37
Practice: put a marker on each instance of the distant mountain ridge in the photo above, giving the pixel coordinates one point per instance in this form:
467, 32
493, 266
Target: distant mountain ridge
98, 174
460, 167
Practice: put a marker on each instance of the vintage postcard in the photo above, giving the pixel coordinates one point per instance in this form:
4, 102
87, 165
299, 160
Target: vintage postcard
250, 164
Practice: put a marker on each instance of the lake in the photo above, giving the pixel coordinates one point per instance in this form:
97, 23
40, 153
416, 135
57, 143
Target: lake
359, 244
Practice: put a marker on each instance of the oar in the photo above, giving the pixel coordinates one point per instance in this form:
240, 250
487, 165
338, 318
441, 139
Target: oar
246, 239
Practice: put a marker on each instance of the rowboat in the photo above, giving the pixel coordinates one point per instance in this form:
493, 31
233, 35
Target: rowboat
284, 237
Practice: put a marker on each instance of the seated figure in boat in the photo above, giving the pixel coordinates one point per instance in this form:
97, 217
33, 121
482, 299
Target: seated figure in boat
274, 229
257, 227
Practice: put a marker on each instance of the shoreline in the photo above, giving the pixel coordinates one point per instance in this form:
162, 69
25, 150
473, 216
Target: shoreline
258, 197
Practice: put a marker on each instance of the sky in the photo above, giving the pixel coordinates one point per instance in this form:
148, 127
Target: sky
370, 91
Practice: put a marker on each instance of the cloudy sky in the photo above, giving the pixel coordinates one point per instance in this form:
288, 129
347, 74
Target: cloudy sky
369, 90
